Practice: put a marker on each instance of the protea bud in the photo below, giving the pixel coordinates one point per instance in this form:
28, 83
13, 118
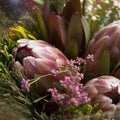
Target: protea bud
105, 46
104, 90
35, 58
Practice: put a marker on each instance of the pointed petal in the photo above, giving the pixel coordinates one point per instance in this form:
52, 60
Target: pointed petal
71, 7
45, 66
30, 67
57, 26
44, 54
86, 29
41, 24
75, 32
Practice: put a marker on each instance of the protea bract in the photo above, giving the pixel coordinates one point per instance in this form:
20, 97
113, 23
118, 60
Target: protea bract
105, 46
35, 58
104, 90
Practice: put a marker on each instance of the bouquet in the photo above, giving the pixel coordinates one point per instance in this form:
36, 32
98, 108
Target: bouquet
61, 61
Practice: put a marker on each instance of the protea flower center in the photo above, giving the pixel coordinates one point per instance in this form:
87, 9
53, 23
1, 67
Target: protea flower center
105, 90
114, 95
22, 53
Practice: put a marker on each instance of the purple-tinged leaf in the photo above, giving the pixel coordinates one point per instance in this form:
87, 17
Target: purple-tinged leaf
86, 29
116, 71
57, 31
75, 32
71, 7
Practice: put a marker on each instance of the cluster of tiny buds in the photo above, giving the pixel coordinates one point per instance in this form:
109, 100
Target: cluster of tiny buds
73, 92
72, 65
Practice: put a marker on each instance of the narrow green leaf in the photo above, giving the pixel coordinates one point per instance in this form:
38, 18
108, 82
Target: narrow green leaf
39, 99
86, 29
31, 37
104, 65
19, 32
39, 1
75, 32
41, 25
71, 50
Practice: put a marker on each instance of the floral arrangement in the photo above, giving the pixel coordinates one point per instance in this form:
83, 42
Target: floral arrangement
60, 61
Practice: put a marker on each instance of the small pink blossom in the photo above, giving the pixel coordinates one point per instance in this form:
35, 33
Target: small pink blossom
54, 72
80, 75
90, 57
73, 92
25, 85
73, 101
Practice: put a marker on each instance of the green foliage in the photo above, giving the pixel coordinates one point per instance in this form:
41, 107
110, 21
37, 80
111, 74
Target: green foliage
56, 5
33, 27
101, 13
39, 1
41, 25
75, 37
18, 32
5, 22
29, 27
61, 30
104, 65
86, 112
11, 94
6, 47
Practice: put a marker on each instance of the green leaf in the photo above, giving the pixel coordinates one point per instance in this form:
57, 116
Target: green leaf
71, 50
19, 32
41, 25
104, 65
75, 35
39, 99
39, 1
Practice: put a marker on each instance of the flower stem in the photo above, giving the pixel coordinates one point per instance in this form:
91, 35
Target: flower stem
46, 75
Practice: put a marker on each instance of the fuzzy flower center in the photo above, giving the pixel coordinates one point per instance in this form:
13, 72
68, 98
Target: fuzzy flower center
114, 95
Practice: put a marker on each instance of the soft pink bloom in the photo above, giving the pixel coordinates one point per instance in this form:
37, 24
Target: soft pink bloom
37, 57
107, 38
104, 90
90, 57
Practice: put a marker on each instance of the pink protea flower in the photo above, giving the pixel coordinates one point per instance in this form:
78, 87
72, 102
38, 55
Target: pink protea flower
104, 90
35, 58
106, 39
